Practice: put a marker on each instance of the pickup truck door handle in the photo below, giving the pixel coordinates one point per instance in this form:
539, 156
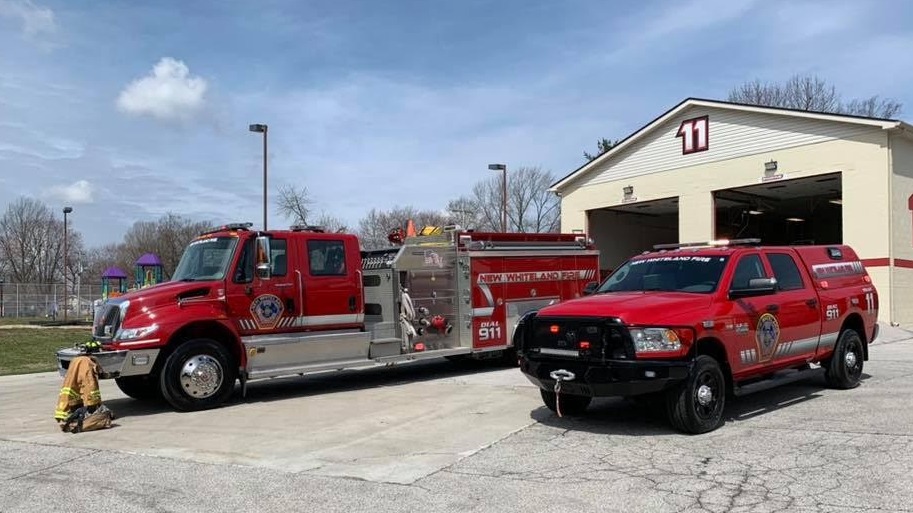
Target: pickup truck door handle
811, 302
351, 303
773, 308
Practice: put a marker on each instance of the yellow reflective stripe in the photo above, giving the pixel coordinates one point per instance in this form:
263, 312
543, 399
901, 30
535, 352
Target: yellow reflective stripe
69, 391
96, 393
61, 415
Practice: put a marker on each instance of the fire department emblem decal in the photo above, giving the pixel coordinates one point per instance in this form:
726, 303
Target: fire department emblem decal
767, 335
266, 309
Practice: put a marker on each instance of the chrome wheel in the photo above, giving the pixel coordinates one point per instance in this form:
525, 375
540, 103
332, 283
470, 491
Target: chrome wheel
704, 395
201, 376
850, 360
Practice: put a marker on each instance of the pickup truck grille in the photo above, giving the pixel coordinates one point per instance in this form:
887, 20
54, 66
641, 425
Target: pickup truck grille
593, 339
107, 322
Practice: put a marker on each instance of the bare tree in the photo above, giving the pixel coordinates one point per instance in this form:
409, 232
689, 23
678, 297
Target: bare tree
377, 224
530, 207
811, 93
167, 237
31, 242
602, 145
465, 212
331, 223
294, 204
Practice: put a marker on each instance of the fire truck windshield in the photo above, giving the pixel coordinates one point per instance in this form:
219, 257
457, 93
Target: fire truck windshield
205, 259
685, 273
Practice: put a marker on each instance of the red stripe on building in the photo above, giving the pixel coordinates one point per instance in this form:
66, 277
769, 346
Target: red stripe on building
884, 262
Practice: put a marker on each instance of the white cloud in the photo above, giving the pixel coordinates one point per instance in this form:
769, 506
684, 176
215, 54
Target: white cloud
168, 93
78, 192
35, 20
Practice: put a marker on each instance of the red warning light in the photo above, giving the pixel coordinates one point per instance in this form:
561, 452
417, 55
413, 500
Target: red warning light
420, 346
554, 328
584, 345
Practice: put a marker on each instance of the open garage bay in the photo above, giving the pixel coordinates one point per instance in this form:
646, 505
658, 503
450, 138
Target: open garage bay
800, 211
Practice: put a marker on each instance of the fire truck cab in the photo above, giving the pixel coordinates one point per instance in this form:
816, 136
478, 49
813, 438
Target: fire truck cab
244, 305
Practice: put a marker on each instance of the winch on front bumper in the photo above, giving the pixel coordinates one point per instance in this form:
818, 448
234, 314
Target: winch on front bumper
112, 364
612, 378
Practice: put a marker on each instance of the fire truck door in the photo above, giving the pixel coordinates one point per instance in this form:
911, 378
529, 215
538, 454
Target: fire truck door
264, 305
754, 330
798, 311
332, 291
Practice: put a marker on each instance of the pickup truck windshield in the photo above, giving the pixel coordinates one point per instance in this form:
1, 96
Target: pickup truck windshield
681, 273
205, 259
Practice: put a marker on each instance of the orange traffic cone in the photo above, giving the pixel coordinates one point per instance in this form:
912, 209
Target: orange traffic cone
410, 229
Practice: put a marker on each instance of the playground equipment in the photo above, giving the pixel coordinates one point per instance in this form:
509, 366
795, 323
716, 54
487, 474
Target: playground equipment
108, 287
148, 270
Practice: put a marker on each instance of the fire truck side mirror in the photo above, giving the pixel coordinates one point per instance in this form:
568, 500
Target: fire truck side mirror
263, 263
590, 287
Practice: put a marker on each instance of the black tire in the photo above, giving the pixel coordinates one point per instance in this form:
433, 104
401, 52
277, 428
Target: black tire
572, 405
844, 369
141, 388
689, 413
211, 386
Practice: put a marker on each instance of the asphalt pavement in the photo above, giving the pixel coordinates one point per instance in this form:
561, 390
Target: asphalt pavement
444, 436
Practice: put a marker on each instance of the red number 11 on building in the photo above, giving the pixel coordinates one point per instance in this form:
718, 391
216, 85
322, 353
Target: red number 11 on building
695, 135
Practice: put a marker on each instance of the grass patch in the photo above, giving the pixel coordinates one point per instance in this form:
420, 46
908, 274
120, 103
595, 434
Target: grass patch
25, 350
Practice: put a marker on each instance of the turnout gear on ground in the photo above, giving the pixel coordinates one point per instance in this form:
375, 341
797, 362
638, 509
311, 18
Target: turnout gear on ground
79, 405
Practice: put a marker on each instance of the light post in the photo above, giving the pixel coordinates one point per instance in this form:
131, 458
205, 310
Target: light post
262, 129
1, 296
503, 169
66, 210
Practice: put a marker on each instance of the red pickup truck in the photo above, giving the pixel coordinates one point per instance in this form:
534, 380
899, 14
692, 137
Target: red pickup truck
689, 324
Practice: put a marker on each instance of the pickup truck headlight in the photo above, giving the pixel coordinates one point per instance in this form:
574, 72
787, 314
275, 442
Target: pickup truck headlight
135, 333
655, 340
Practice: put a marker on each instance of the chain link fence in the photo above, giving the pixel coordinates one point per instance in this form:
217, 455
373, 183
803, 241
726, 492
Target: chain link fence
48, 300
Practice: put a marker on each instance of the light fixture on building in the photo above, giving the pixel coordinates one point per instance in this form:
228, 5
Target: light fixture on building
795, 219
838, 201
770, 167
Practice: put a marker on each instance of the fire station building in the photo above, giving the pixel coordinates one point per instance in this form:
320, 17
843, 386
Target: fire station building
707, 170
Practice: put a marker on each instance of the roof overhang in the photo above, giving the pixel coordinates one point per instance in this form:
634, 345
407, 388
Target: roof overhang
884, 124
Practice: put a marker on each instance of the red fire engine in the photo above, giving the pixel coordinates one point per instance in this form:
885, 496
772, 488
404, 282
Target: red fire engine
243, 305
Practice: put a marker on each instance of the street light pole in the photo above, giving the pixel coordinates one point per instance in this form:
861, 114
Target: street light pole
66, 210
503, 169
1, 296
262, 129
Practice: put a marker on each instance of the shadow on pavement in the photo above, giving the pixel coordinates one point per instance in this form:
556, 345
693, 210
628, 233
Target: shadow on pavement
277, 389
647, 417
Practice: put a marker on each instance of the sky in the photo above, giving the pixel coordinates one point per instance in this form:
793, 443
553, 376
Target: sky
129, 110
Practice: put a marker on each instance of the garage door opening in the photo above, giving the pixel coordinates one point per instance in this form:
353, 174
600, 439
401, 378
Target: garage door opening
623, 231
800, 211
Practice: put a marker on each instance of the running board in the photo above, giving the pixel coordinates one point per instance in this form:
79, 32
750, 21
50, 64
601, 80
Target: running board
778, 379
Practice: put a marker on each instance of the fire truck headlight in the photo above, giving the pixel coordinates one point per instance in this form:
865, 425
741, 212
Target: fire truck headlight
655, 340
135, 333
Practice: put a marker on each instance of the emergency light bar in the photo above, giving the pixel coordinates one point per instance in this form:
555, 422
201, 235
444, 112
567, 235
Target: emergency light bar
712, 243
228, 227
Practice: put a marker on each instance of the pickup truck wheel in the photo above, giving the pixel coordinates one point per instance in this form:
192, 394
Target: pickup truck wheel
141, 388
199, 374
572, 405
844, 368
696, 406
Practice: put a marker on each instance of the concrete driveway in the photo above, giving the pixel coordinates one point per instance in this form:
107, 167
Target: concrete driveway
441, 436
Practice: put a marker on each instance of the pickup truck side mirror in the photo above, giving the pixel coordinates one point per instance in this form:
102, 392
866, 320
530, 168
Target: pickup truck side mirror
263, 263
590, 287
756, 287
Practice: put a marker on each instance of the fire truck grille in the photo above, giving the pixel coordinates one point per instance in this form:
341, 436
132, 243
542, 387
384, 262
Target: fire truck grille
109, 322
590, 338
